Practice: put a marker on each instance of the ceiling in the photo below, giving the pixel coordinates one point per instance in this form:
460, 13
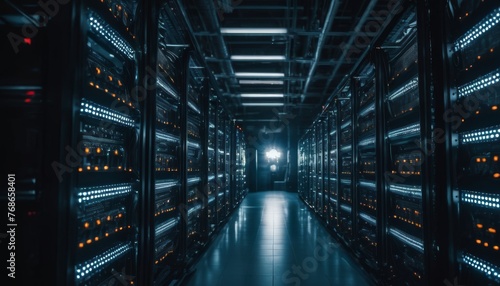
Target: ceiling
291, 71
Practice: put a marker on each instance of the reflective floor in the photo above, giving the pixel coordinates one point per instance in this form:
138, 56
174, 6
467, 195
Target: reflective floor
272, 239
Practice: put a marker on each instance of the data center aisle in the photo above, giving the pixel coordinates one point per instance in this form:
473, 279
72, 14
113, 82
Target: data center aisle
265, 242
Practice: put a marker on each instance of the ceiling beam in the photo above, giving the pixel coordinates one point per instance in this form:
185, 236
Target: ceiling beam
334, 5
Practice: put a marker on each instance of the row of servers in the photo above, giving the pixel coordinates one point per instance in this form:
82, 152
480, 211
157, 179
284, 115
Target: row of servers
402, 164
128, 163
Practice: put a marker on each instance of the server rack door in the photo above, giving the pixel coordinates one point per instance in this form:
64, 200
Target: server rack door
194, 125
366, 167
405, 125
106, 185
475, 97
333, 204
318, 204
325, 164
212, 166
167, 152
221, 166
345, 166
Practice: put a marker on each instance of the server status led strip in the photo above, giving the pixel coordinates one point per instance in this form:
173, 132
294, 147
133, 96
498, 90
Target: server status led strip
98, 26
486, 267
481, 199
478, 30
490, 134
92, 195
97, 264
479, 83
100, 112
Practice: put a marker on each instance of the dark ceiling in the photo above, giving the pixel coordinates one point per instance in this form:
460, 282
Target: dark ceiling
314, 46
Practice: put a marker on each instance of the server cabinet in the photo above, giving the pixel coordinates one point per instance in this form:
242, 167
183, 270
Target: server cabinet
404, 126
194, 156
366, 164
345, 165
476, 132
221, 166
325, 164
240, 167
333, 181
212, 165
318, 203
166, 229
106, 185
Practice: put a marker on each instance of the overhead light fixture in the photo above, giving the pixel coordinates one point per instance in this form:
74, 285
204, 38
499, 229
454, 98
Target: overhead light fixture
259, 74
256, 81
265, 95
262, 104
257, 58
243, 31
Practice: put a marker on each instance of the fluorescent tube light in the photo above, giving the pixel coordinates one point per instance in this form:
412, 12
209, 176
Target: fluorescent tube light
259, 74
262, 104
261, 95
253, 30
257, 58
255, 81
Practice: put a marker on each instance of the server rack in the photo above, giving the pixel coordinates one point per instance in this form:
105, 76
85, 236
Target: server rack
212, 165
366, 166
474, 95
345, 164
221, 167
318, 203
403, 174
106, 186
333, 204
167, 229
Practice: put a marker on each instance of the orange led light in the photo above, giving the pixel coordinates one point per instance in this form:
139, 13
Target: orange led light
87, 150
491, 50
478, 241
110, 78
119, 83
106, 234
97, 70
89, 241
495, 158
116, 152
88, 168
477, 112
119, 167
81, 244
96, 238
478, 57
479, 225
496, 247
121, 227
496, 175
80, 169
86, 225
483, 160
492, 230
494, 107
485, 244
98, 150
478, 160
96, 86
96, 168
108, 218
106, 167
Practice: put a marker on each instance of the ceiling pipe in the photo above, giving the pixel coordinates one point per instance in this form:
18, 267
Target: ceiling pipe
353, 37
209, 11
334, 5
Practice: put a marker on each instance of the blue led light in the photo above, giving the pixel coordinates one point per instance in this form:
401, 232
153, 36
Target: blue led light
98, 263
368, 218
407, 239
481, 199
478, 30
479, 83
405, 130
411, 86
98, 26
92, 195
491, 134
101, 112
165, 226
487, 268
